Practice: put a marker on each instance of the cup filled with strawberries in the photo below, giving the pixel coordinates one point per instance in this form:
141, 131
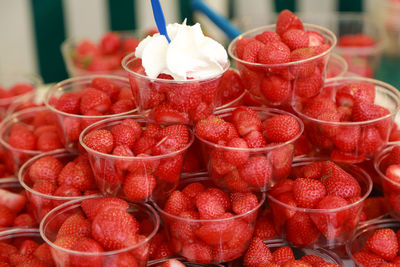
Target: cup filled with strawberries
100, 231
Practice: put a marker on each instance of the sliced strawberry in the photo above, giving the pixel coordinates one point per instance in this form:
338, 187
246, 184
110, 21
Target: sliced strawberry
165, 113
246, 120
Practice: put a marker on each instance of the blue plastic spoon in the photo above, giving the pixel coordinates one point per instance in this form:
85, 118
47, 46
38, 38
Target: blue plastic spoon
159, 18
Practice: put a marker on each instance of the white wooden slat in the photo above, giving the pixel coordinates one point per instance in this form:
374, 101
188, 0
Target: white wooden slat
144, 13
250, 14
316, 6
17, 45
86, 19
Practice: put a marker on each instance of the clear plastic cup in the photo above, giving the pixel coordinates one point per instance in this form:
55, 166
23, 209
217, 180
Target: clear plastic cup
158, 263
30, 100
225, 239
322, 134
111, 171
327, 228
52, 222
337, 66
295, 80
7, 80
40, 203
362, 233
224, 102
71, 125
276, 157
14, 157
170, 101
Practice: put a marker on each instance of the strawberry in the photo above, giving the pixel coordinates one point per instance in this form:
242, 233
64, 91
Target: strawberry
172, 263
87, 245
347, 137
274, 53
356, 40
28, 247
245, 204
218, 164
115, 229
275, 89
75, 225
185, 97
110, 43
302, 69
365, 258
316, 106
21, 137
257, 254
308, 86
222, 196
300, 230
48, 141
91, 207
121, 260
67, 242
99, 140
241, 45
295, 38
347, 157
165, 113
256, 171
370, 140
173, 138
282, 255
281, 128
46, 168
6, 250
78, 175
314, 38
139, 186
124, 135
144, 145
308, 192
197, 252
264, 228
393, 173
287, 20
69, 102
152, 130
234, 182
212, 129
209, 205
267, 37
122, 106
44, 187
296, 263
107, 86
246, 120
252, 50
216, 233
23, 219
13, 201
255, 139
186, 230
312, 259
177, 203
18, 259
350, 93
32, 261
238, 155
364, 111
93, 99
169, 169
394, 155
383, 242
191, 190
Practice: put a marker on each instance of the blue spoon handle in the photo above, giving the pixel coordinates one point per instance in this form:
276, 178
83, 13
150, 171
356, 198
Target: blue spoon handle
159, 18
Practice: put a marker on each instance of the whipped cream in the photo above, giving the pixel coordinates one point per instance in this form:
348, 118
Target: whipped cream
189, 55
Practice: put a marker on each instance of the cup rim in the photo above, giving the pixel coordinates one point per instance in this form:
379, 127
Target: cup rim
32, 78
111, 156
105, 253
305, 161
237, 216
22, 231
83, 80
60, 152
262, 149
387, 87
12, 117
157, 262
325, 31
131, 57
378, 160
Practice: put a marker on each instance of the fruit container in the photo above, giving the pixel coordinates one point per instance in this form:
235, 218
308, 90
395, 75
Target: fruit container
276, 84
42, 189
28, 133
124, 244
15, 210
256, 169
385, 165
361, 255
337, 66
16, 85
70, 124
24, 247
147, 165
344, 127
159, 263
170, 101
99, 55
220, 238
326, 219
230, 90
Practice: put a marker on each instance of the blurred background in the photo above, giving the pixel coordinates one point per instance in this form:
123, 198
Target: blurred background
32, 31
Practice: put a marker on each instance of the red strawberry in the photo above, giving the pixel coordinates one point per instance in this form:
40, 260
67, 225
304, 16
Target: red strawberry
165, 113
383, 242
32, 261
78, 174
308, 86
44, 187
252, 50
15, 202
312, 259
115, 229
347, 94
144, 145
212, 129
275, 89
308, 192
73, 128
75, 225
222, 196
93, 99
28, 247
264, 228
316, 106
48, 141
46, 168
186, 97
300, 230
256, 171
124, 135
183, 229
172, 263
281, 128
232, 132
282, 255
18, 259
91, 207
274, 53
177, 203
302, 69
125, 259
295, 38
193, 189
267, 37
110, 43
87, 245
139, 186
234, 182
107, 86
173, 138
296, 263
6, 250
287, 20
356, 40
21, 137
245, 204
209, 205
152, 130
218, 164
364, 111
246, 120
241, 45
365, 258
257, 254
24, 219
67, 242
69, 102
238, 155
197, 252
255, 139
347, 157
215, 233
169, 169
393, 173
99, 140
347, 137
315, 38
370, 140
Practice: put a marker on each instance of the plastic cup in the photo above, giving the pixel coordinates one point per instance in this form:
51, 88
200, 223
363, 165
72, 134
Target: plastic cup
278, 158
52, 222
334, 227
223, 102
71, 125
322, 134
111, 171
171, 101
14, 157
227, 239
40, 203
158, 263
337, 66
294, 79
362, 234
